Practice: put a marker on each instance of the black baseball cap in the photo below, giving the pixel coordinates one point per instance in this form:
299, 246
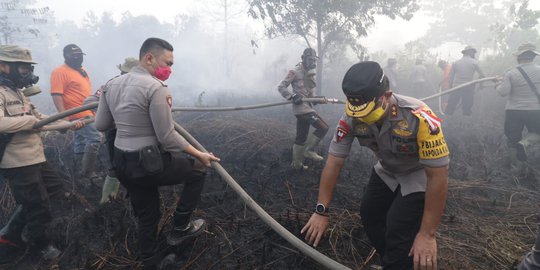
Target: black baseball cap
363, 84
72, 49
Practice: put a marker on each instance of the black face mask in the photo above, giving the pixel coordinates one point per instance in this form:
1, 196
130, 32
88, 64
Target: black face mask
309, 62
19, 80
74, 61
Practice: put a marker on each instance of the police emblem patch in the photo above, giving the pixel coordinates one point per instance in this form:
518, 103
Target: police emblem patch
342, 130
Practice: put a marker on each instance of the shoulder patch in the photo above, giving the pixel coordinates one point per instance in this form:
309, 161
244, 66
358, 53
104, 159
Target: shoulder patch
290, 75
342, 130
427, 115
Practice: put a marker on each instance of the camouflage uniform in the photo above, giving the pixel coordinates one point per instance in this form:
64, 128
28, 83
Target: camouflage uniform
303, 85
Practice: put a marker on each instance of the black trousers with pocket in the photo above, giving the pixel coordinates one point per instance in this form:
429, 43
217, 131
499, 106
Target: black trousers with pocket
514, 123
33, 186
144, 195
391, 222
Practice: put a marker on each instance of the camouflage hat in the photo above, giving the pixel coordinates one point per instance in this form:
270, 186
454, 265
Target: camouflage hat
13, 53
526, 47
469, 48
128, 64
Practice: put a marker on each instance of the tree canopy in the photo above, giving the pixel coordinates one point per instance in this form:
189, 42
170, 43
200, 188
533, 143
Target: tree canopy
326, 22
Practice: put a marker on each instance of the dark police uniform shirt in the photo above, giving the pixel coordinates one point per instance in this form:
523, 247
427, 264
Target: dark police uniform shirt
409, 139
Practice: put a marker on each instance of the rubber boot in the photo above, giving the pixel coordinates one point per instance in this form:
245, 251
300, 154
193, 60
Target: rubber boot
110, 189
530, 139
13, 229
11, 243
312, 142
49, 252
298, 157
88, 165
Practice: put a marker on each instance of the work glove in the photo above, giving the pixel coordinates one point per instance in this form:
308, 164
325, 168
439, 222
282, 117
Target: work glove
296, 99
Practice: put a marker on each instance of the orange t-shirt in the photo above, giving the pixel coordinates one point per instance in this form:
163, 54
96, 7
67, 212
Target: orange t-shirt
74, 88
446, 77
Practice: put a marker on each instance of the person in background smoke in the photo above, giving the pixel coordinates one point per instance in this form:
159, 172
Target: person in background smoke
302, 79
445, 83
418, 80
111, 184
70, 86
521, 84
148, 152
462, 71
391, 73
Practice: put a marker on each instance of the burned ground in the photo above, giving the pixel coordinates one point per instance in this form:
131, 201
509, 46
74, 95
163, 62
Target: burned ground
489, 222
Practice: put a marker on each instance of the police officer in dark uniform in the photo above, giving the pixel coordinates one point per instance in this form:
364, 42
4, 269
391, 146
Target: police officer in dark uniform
148, 151
22, 161
406, 194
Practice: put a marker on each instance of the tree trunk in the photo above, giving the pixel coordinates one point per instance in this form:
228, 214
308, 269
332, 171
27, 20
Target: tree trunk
320, 61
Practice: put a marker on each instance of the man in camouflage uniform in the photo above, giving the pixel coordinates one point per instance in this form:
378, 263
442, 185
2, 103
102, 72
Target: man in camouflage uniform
406, 194
302, 79
31, 179
111, 184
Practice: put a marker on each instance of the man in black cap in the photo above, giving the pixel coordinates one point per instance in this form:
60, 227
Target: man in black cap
70, 86
406, 194
302, 79
463, 72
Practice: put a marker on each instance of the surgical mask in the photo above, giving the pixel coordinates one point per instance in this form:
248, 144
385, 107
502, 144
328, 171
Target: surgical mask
162, 73
373, 116
310, 62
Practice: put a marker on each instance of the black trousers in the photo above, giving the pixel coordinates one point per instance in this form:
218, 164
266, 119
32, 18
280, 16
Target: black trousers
466, 95
303, 121
33, 186
391, 222
144, 194
514, 122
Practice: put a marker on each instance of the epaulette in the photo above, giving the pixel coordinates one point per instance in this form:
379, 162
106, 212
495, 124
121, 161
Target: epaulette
114, 78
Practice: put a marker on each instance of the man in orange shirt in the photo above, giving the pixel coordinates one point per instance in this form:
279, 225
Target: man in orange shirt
445, 83
70, 86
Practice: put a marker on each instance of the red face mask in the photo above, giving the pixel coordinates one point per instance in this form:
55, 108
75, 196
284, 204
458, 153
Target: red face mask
162, 73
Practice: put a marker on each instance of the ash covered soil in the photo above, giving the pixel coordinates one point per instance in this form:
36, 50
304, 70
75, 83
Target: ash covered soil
489, 222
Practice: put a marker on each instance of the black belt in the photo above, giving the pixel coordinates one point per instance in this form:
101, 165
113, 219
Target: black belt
127, 155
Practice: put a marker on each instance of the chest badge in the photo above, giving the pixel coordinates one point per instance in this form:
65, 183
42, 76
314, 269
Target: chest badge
402, 129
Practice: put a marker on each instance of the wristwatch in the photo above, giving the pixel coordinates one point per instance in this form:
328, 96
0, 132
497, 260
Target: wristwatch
321, 209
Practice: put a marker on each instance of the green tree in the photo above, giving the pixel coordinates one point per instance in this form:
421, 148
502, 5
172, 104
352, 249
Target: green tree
498, 25
326, 23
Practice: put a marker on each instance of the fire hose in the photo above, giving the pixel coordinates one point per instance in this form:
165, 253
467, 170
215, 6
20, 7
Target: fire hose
283, 232
453, 89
